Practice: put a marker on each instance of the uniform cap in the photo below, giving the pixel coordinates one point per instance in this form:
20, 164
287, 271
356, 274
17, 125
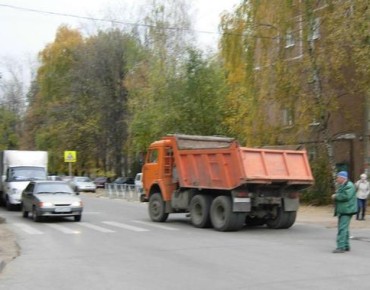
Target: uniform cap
343, 174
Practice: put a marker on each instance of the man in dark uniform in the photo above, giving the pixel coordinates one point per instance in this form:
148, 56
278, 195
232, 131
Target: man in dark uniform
345, 207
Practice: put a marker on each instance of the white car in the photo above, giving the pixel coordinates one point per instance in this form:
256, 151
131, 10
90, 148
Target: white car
83, 183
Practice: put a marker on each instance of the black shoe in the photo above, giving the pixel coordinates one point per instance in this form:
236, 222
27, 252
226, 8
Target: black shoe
347, 249
337, 251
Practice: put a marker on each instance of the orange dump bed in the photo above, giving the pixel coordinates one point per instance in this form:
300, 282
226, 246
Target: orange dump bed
220, 163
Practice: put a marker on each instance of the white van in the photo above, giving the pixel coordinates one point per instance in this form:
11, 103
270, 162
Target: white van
139, 182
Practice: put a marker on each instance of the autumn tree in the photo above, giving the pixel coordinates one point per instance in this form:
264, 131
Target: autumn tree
152, 81
100, 97
47, 120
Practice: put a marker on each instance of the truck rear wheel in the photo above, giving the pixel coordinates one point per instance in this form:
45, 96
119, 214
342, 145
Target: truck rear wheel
156, 208
283, 220
199, 211
223, 218
290, 219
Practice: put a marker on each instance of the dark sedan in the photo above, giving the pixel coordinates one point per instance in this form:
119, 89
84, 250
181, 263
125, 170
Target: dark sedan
101, 181
124, 180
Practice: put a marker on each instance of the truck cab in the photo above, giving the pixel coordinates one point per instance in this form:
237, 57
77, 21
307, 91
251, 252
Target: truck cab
158, 170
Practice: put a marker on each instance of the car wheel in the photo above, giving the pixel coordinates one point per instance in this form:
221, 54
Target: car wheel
77, 218
24, 212
8, 205
35, 216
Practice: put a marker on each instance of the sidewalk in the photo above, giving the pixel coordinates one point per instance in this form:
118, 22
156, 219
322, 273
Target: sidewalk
9, 248
324, 215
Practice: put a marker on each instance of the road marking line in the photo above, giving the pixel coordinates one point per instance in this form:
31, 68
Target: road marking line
152, 224
94, 227
126, 227
63, 229
28, 229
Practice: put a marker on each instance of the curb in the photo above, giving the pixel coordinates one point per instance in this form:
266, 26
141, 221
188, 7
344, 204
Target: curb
2, 263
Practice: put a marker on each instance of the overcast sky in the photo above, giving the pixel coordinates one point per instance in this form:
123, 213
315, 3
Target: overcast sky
24, 33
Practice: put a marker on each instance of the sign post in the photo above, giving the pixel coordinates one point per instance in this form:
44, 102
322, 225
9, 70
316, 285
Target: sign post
70, 157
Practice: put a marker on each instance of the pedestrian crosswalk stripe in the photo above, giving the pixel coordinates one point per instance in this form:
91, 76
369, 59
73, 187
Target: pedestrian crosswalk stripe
63, 229
28, 229
156, 225
94, 227
125, 226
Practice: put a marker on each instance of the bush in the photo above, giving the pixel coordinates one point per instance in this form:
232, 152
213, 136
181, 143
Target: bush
320, 192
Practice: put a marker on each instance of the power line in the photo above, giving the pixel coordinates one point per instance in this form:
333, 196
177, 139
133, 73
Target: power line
103, 19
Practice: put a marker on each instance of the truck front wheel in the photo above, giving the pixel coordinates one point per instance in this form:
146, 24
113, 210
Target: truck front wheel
199, 211
156, 208
223, 218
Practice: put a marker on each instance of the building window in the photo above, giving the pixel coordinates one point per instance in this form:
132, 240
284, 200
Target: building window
288, 117
312, 153
314, 32
289, 39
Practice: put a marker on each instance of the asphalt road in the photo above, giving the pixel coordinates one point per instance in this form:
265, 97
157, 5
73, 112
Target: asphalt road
116, 246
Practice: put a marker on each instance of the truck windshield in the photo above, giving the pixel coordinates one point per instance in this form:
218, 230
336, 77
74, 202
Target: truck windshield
26, 173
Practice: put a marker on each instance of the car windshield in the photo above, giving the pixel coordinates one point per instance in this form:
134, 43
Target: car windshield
54, 188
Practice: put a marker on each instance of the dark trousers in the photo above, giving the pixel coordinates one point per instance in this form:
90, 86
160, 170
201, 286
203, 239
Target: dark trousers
361, 208
343, 231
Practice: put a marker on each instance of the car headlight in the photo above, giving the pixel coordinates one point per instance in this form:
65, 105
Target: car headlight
76, 203
45, 204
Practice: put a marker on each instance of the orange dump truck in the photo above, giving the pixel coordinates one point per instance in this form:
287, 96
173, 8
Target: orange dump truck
222, 184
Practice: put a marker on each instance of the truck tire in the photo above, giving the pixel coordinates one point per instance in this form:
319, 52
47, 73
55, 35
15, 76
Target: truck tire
199, 211
156, 208
223, 218
283, 220
290, 219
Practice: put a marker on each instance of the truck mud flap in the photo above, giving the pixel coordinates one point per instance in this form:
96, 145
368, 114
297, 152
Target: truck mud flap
241, 204
290, 204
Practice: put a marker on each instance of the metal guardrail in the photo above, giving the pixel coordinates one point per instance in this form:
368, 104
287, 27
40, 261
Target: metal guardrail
124, 191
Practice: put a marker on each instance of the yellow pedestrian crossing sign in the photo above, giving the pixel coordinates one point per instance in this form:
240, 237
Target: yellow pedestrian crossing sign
70, 156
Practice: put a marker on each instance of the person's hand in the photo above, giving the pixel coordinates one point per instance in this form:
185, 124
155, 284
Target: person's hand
333, 196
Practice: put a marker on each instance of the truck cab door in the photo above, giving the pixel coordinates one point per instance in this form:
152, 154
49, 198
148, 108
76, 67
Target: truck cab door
151, 169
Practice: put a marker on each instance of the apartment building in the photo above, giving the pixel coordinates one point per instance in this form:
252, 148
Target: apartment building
307, 50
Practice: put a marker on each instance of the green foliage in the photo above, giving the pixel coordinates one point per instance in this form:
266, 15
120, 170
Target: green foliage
321, 191
9, 138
